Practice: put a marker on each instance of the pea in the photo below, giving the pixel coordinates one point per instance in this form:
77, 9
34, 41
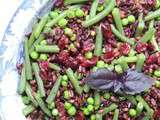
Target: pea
90, 108
88, 55
34, 55
55, 112
65, 77
131, 19
157, 84
100, 64
64, 83
93, 117
51, 106
68, 31
43, 57
125, 21
63, 22
73, 37
53, 14
107, 96
100, 8
132, 112
71, 111
94, 68
71, 14
79, 13
85, 111
67, 105
43, 42
157, 73
66, 94
90, 100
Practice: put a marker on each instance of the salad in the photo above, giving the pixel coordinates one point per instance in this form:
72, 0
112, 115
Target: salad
93, 60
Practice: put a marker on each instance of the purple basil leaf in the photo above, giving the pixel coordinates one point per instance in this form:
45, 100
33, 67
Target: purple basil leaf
135, 82
102, 79
130, 82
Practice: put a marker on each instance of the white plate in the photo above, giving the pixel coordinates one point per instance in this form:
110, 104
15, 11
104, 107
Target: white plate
11, 52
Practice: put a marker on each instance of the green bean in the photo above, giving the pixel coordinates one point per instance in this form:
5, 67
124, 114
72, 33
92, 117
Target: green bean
32, 37
74, 81
131, 59
140, 62
99, 116
40, 26
41, 37
47, 48
141, 26
153, 40
110, 108
101, 15
28, 109
148, 35
42, 105
54, 91
28, 91
38, 79
152, 15
28, 69
68, 2
132, 99
22, 84
62, 15
120, 36
117, 20
116, 114
54, 66
93, 9
139, 108
97, 100
123, 63
86, 88
145, 104
99, 42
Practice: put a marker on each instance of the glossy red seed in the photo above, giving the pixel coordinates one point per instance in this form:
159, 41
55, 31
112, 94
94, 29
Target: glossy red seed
107, 32
88, 46
152, 59
124, 48
141, 47
108, 47
43, 65
89, 63
79, 116
108, 56
63, 42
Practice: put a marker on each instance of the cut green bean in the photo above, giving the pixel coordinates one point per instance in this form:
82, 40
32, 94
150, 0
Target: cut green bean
61, 16
110, 108
28, 68
22, 84
74, 81
140, 62
32, 37
41, 37
148, 35
68, 2
139, 108
145, 104
152, 15
131, 59
99, 116
116, 114
93, 9
38, 79
28, 109
40, 26
120, 36
97, 100
42, 105
28, 91
117, 20
54, 91
141, 26
47, 48
99, 42
54, 66
101, 15
123, 63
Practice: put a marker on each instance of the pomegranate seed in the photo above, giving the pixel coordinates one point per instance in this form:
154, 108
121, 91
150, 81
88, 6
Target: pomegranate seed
89, 63
63, 42
152, 59
124, 48
141, 47
108, 56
